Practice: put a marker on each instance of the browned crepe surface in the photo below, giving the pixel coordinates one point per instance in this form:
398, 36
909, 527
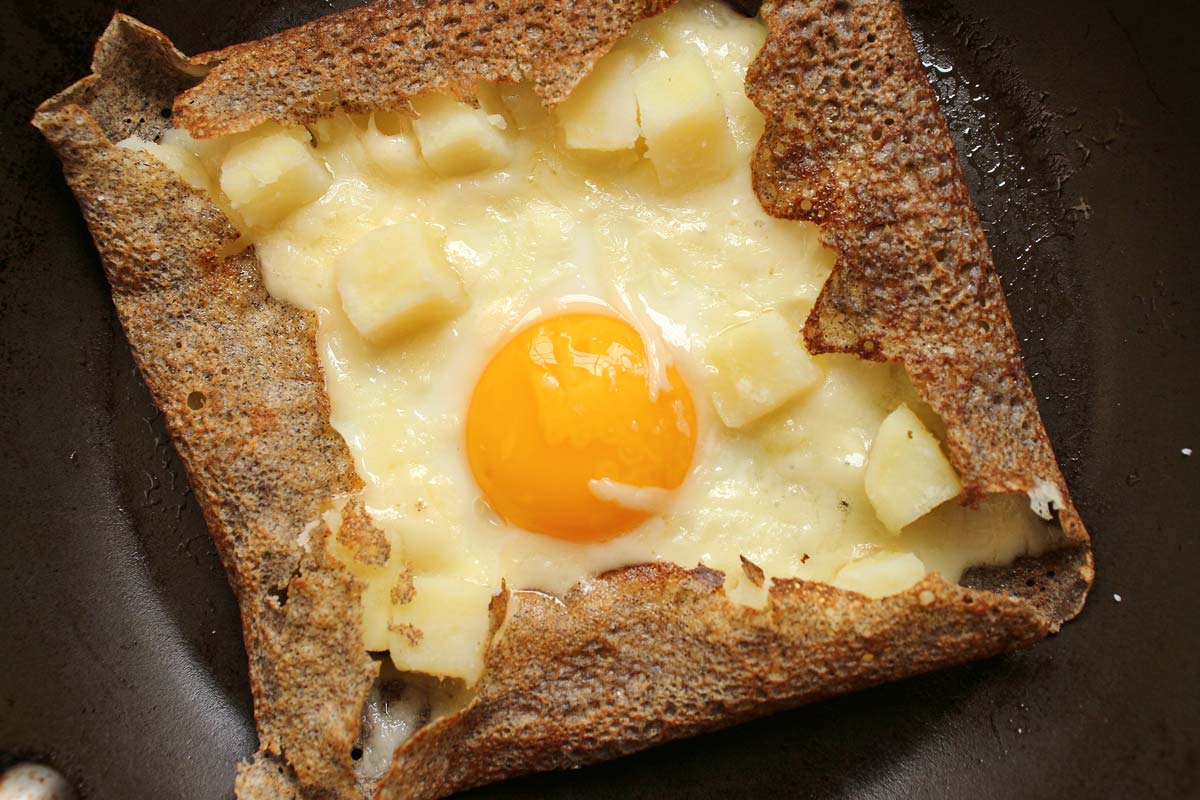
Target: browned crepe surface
854, 141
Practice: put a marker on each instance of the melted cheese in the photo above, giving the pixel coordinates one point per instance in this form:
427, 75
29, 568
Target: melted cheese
538, 226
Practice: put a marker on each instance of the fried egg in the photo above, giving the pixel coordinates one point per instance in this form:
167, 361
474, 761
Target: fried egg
562, 342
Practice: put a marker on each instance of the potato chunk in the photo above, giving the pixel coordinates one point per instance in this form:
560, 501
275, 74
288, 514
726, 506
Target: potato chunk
442, 631
602, 113
377, 613
392, 146
266, 178
756, 367
880, 574
687, 134
907, 473
394, 280
456, 139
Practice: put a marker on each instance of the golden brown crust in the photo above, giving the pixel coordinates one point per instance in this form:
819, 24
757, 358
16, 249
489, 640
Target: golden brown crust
335, 63
266, 777
236, 376
855, 142
653, 653
626, 660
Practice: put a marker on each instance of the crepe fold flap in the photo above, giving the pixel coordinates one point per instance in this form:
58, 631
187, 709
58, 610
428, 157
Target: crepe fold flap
631, 658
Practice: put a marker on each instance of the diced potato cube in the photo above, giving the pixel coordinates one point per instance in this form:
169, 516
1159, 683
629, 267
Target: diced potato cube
456, 139
880, 574
392, 146
907, 473
339, 141
377, 614
756, 367
523, 105
393, 281
601, 113
266, 178
334, 130
209, 152
451, 617
683, 121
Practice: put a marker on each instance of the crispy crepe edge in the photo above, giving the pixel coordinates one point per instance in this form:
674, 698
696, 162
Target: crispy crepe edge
631, 658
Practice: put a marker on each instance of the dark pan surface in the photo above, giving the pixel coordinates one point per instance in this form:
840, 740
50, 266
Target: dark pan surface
120, 654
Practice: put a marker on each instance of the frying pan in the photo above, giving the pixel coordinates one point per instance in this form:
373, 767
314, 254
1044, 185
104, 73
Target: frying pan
121, 661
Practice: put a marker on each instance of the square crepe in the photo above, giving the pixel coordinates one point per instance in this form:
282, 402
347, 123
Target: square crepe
853, 141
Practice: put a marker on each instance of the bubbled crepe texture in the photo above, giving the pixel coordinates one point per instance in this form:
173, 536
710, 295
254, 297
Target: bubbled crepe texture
854, 141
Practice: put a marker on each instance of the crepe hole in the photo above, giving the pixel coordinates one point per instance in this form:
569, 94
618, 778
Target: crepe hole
844, 82
165, 113
356, 753
855, 65
196, 401
967, 600
871, 37
280, 596
1050, 573
889, 121
876, 134
1030, 582
841, 7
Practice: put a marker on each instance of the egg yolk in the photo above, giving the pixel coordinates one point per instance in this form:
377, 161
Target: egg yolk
569, 401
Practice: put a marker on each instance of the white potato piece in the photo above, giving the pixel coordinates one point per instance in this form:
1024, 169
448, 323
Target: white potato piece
756, 367
683, 121
451, 615
523, 105
394, 280
268, 177
880, 574
377, 614
339, 141
392, 146
456, 139
601, 113
907, 474
208, 151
